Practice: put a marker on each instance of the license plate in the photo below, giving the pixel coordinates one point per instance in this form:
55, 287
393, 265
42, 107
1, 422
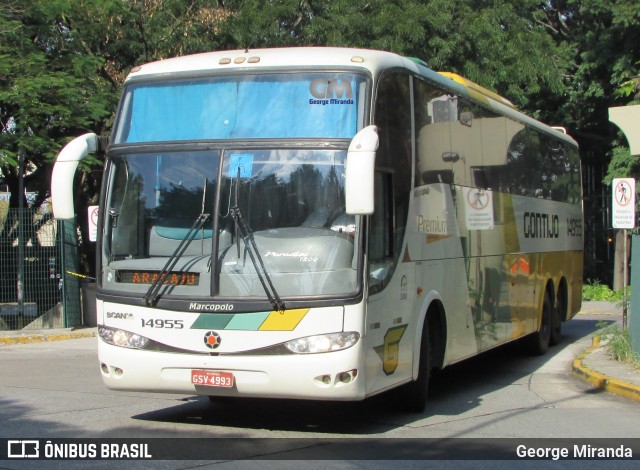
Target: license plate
212, 378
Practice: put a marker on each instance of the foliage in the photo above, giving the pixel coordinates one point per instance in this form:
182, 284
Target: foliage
622, 165
605, 37
618, 345
606, 70
617, 341
594, 290
499, 44
49, 92
63, 62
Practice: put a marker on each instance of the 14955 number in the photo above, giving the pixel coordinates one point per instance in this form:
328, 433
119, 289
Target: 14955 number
160, 323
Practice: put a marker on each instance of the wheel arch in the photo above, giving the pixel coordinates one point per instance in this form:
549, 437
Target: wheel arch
433, 315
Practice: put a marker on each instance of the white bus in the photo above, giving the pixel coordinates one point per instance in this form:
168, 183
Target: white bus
323, 223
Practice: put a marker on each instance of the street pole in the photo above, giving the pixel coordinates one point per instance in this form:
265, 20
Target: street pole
625, 283
20, 281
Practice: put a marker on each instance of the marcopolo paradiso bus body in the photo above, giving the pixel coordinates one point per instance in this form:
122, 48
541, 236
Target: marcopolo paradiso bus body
323, 223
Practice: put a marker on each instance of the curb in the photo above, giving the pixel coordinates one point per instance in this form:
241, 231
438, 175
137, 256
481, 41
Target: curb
601, 381
43, 338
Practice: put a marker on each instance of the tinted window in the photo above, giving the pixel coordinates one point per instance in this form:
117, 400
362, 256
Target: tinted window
393, 177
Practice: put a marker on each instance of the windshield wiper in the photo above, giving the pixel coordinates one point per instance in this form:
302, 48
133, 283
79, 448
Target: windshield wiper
256, 259
243, 230
151, 297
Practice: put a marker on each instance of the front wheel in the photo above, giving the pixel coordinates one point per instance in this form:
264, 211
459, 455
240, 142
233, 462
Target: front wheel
414, 394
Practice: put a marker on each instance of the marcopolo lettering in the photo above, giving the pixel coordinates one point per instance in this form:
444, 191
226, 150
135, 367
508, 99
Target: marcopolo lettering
210, 307
537, 225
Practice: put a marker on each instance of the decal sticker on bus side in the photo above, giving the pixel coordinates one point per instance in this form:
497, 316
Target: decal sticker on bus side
389, 351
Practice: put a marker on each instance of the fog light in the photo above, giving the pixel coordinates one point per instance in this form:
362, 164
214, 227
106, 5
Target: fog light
118, 371
344, 377
104, 368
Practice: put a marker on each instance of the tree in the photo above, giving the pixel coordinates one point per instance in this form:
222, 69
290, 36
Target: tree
47, 94
64, 61
604, 37
499, 44
62, 65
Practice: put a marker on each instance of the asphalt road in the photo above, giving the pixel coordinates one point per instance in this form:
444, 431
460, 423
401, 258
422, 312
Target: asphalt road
54, 390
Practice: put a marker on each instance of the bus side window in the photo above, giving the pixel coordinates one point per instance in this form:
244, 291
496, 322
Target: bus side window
435, 111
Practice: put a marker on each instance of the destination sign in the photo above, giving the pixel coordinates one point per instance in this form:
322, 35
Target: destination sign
149, 277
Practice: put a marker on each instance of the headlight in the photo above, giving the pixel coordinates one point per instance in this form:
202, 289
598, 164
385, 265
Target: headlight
122, 338
323, 343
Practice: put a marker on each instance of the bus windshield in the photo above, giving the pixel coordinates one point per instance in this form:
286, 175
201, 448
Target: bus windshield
265, 106
280, 208
224, 219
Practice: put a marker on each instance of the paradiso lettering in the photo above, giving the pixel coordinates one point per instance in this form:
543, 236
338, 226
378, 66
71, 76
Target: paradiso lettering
330, 91
538, 225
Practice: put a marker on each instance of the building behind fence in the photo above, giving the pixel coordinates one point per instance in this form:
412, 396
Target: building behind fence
38, 256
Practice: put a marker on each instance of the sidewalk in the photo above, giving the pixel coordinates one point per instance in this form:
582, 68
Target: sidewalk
597, 367
41, 336
593, 365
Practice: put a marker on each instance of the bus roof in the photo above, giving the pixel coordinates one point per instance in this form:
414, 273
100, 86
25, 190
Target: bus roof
372, 61
243, 60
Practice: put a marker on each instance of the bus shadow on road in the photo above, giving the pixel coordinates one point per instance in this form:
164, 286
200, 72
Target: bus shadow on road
456, 391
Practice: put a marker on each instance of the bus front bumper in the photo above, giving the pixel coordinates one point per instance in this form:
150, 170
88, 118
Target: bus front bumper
335, 375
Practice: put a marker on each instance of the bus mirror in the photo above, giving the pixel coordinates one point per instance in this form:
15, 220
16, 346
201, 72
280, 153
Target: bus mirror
359, 169
64, 171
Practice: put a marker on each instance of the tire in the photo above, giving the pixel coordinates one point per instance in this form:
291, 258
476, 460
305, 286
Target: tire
414, 394
539, 341
556, 322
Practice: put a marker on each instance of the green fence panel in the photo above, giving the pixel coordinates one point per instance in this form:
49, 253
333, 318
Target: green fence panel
35, 253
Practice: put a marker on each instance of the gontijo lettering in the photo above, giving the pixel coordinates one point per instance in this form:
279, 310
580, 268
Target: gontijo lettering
537, 225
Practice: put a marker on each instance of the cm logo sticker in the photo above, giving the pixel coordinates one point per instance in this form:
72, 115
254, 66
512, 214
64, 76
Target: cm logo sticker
389, 352
331, 88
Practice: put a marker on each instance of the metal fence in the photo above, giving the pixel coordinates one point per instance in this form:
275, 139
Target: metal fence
37, 255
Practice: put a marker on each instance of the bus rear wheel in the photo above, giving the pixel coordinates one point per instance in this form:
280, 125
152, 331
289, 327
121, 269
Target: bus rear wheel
556, 321
539, 341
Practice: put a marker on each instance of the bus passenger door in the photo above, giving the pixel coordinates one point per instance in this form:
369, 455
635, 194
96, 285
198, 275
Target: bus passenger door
389, 322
